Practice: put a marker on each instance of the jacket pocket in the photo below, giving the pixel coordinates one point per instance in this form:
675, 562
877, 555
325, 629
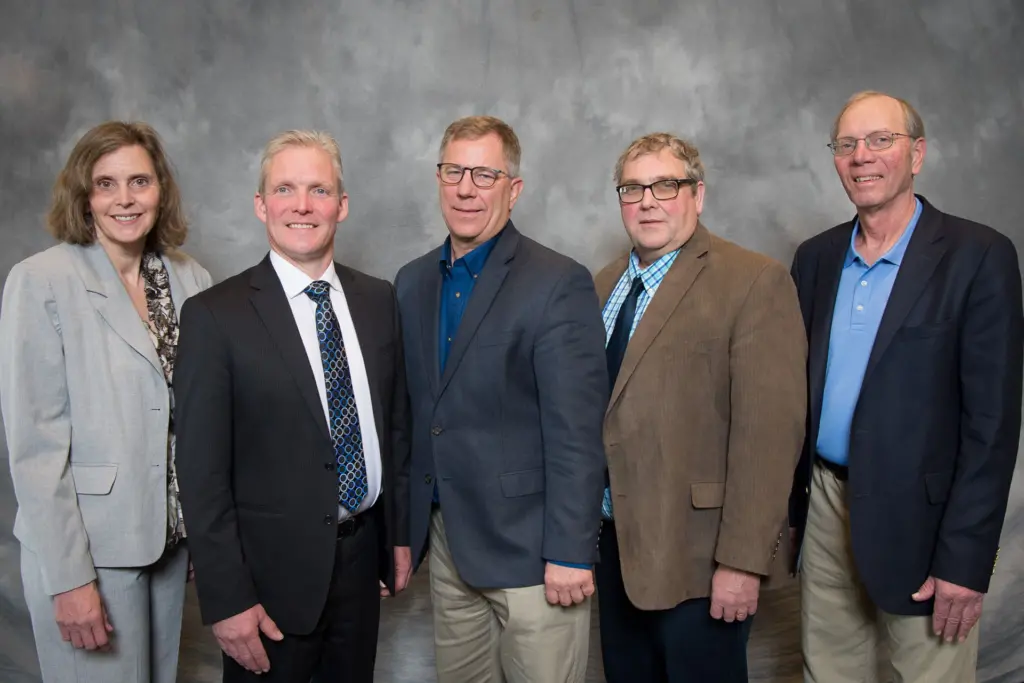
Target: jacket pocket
95, 480
707, 495
938, 484
522, 483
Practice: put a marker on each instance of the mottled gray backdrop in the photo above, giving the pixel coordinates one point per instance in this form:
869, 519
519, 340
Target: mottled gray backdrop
755, 85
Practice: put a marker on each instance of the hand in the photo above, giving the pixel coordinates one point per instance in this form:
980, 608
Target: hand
957, 609
403, 571
567, 585
81, 617
734, 594
239, 637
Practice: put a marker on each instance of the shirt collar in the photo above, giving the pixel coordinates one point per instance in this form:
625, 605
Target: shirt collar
653, 274
897, 251
294, 281
473, 261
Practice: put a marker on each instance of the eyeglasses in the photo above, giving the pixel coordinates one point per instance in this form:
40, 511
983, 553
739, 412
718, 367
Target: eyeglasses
482, 176
876, 142
661, 189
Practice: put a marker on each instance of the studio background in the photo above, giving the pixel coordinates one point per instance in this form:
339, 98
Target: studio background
755, 85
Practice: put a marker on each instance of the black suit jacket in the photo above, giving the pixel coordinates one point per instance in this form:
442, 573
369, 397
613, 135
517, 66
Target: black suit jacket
934, 437
255, 462
511, 430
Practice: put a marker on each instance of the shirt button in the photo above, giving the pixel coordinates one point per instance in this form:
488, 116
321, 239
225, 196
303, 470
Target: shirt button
328, 519
860, 307
457, 295
863, 283
436, 431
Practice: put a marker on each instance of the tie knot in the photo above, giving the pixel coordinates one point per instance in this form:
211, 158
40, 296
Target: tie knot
318, 290
638, 286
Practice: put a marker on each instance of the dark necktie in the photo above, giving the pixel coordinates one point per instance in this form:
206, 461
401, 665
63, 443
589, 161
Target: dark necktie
616, 349
341, 400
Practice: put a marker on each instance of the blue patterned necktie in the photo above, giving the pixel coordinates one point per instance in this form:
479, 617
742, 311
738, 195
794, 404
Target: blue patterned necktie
341, 400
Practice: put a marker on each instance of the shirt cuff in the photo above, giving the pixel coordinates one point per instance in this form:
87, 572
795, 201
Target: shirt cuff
571, 564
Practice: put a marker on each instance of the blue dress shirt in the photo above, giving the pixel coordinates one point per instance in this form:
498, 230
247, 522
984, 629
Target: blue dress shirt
860, 302
457, 281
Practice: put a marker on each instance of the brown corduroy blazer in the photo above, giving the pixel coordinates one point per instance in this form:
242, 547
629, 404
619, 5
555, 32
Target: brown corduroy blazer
706, 421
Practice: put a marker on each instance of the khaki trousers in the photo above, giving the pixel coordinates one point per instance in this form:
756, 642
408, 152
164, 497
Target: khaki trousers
841, 628
499, 635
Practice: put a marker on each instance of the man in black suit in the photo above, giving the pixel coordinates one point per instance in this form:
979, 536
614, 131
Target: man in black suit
292, 447
915, 331
508, 385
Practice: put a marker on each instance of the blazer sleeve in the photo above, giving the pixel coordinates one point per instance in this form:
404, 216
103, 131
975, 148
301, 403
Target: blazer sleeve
400, 436
801, 479
37, 418
991, 346
571, 375
204, 456
767, 370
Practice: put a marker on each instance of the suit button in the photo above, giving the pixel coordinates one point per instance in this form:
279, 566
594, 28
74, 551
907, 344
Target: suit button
436, 431
328, 520
328, 465
428, 479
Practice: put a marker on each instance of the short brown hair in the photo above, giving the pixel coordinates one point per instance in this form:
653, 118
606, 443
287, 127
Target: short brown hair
302, 138
70, 219
476, 127
652, 143
911, 119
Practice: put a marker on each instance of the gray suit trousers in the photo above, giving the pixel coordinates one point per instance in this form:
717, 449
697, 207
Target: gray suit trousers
144, 605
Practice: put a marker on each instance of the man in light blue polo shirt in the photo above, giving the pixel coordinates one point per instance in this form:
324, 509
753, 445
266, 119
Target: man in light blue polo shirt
916, 337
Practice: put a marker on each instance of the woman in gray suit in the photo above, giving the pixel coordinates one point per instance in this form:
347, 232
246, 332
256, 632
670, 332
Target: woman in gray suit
88, 334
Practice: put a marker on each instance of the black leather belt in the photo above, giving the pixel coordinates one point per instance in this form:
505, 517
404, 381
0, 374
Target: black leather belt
842, 472
350, 525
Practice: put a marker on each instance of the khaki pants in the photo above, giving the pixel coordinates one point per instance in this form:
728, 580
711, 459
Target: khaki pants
498, 635
841, 628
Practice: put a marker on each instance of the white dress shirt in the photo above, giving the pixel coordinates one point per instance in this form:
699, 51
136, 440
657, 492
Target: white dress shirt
303, 308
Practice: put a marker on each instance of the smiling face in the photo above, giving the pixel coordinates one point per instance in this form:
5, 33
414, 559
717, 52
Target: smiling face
657, 227
125, 198
301, 206
474, 214
876, 180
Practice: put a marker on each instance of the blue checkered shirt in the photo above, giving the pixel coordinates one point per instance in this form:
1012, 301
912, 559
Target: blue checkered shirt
651, 277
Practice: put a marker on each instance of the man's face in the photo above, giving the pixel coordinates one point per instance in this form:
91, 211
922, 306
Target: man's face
659, 226
873, 179
474, 214
301, 206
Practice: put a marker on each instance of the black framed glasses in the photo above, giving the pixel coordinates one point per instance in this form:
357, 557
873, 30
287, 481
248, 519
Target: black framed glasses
876, 142
482, 176
661, 189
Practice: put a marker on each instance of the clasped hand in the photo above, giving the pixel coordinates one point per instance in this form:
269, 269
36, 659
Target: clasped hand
567, 586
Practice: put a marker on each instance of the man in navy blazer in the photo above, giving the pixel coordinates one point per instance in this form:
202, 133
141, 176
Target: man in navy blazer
507, 380
915, 333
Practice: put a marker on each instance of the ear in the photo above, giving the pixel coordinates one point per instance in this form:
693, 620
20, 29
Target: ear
515, 188
698, 196
342, 207
917, 154
260, 207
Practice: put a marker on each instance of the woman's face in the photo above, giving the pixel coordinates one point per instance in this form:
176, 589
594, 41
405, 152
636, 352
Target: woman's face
125, 197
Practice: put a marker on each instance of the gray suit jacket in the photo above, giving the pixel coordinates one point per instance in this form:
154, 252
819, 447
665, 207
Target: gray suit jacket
511, 431
86, 410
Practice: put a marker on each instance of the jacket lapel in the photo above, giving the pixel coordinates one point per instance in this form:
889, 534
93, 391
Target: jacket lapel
828, 271
111, 301
673, 288
486, 288
923, 253
361, 309
271, 304
429, 295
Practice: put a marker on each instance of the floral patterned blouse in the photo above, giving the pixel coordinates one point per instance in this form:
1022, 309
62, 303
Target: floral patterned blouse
163, 331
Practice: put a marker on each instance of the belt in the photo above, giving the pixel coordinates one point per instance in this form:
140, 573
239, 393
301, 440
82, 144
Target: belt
349, 526
842, 472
